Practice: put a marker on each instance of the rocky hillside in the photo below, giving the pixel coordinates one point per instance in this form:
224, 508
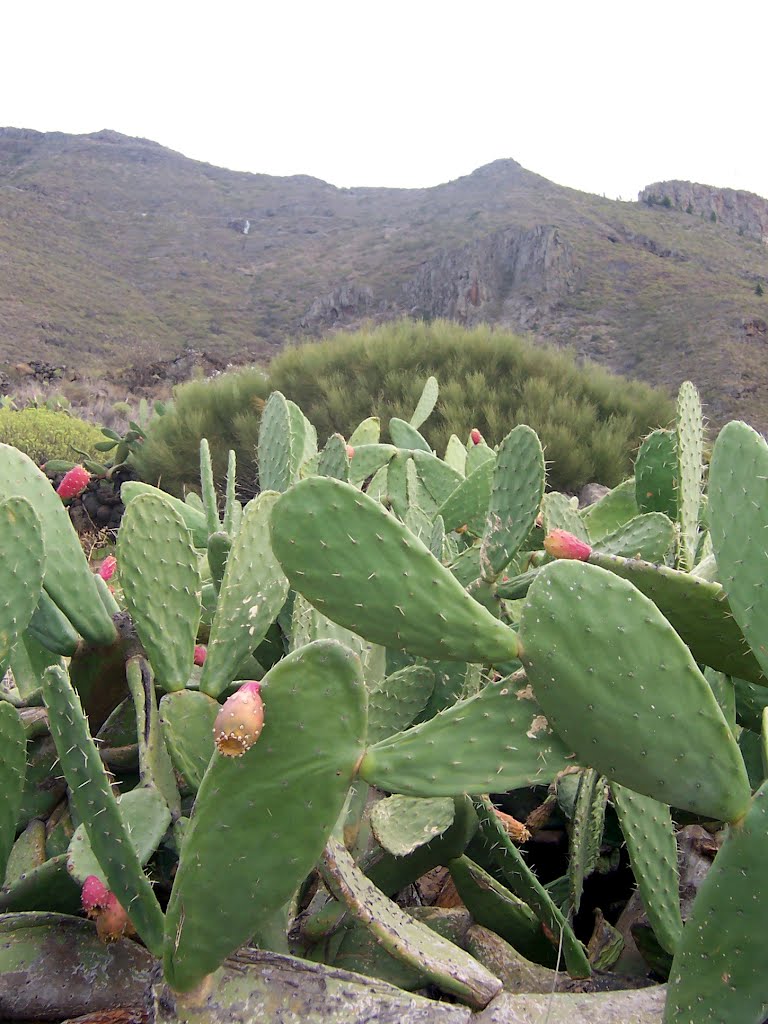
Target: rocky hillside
743, 212
116, 252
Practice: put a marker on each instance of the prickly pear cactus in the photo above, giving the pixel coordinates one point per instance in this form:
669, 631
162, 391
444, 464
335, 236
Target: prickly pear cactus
287, 790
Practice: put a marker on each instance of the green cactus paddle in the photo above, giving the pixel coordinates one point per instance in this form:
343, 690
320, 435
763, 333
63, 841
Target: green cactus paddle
621, 688
68, 578
363, 569
162, 586
261, 820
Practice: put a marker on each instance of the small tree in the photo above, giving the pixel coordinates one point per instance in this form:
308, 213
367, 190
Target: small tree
759, 290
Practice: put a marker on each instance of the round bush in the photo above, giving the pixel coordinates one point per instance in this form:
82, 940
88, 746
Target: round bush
589, 421
43, 434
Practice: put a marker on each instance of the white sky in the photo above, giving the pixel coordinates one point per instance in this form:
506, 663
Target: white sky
602, 96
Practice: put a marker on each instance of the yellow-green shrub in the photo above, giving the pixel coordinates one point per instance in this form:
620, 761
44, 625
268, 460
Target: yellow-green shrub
43, 434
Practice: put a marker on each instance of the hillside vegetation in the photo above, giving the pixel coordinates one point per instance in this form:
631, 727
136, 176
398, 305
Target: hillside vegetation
117, 251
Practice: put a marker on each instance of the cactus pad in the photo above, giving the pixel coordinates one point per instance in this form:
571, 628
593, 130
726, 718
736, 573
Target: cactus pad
22, 565
738, 509
401, 824
518, 488
13, 748
186, 718
98, 809
252, 593
162, 587
622, 689
146, 818
446, 966
492, 742
363, 569
260, 821
68, 579
718, 973
650, 835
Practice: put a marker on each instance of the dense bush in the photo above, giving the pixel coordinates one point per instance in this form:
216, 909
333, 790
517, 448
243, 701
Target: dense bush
588, 419
226, 410
44, 434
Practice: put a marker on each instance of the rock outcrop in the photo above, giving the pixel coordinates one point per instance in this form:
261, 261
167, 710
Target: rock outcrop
346, 303
509, 277
745, 212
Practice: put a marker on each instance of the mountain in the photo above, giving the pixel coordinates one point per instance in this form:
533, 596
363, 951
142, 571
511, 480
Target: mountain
116, 251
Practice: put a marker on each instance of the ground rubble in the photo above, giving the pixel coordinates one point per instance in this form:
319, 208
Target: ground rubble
56, 969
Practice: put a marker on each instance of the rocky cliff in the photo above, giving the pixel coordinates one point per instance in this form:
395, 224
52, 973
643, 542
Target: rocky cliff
511, 277
745, 212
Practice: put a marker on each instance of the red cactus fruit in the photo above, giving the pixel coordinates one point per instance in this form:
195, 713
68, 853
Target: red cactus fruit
74, 483
239, 722
350, 452
201, 653
561, 544
475, 436
94, 896
107, 567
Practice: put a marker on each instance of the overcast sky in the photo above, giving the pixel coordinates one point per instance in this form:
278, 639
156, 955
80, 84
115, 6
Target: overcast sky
602, 96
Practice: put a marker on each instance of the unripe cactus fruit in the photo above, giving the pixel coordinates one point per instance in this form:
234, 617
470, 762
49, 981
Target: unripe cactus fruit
561, 544
112, 923
350, 452
475, 436
101, 905
201, 653
74, 483
107, 567
239, 723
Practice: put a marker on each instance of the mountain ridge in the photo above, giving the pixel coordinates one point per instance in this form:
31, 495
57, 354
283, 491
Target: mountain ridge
116, 251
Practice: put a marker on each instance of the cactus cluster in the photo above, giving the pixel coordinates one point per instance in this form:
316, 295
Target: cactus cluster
379, 620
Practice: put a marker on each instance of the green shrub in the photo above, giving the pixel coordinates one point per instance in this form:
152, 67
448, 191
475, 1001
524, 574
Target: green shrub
44, 434
224, 409
588, 419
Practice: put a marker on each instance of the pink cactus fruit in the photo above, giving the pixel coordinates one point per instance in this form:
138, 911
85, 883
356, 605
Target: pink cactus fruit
75, 481
107, 567
561, 544
101, 905
94, 895
475, 436
239, 722
350, 452
201, 653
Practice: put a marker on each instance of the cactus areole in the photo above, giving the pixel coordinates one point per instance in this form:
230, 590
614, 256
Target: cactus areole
239, 723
